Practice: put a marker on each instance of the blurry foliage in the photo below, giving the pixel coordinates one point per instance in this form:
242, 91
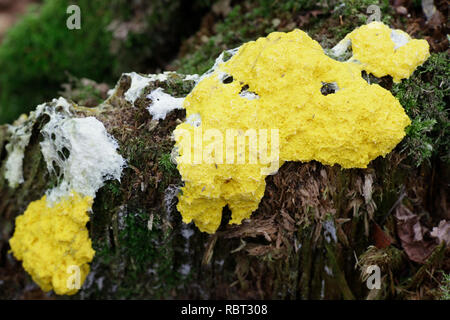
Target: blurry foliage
36, 52
116, 36
84, 92
425, 97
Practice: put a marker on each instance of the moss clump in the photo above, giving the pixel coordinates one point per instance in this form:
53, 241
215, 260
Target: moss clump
36, 53
149, 253
358, 8
344, 17
166, 163
84, 92
140, 264
425, 98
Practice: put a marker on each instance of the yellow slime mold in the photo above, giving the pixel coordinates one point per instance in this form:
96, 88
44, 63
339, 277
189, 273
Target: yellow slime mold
275, 83
383, 51
54, 244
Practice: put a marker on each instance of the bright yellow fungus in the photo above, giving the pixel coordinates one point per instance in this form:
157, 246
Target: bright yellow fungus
53, 243
383, 51
275, 84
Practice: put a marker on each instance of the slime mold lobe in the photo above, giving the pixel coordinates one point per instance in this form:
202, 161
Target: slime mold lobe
350, 126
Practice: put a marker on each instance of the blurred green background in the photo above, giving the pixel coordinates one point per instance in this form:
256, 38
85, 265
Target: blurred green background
39, 52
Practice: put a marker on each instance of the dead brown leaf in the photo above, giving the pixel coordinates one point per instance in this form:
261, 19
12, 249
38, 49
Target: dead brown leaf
411, 233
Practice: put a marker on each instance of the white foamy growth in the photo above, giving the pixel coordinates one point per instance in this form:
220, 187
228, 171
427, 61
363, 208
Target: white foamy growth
170, 197
81, 153
341, 48
248, 95
328, 270
62, 103
160, 76
111, 92
194, 120
185, 269
187, 233
163, 103
20, 137
399, 38
218, 62
329, 231
442, 232
191, 77
138, 83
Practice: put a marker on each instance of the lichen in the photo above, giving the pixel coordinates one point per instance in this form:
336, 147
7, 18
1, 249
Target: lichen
286, 71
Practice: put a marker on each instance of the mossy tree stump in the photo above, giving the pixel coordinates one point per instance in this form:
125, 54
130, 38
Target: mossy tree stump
306, 240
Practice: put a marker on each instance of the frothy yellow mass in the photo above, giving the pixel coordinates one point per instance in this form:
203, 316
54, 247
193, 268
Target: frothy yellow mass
53, 243
383, 51
275, 83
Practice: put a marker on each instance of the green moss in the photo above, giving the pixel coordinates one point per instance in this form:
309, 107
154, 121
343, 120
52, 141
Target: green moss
83, 92
445, 286
138, 239
359, 8
114, 187
39, 50
140, 264
425, 98
148, 255
165, 162
353, 13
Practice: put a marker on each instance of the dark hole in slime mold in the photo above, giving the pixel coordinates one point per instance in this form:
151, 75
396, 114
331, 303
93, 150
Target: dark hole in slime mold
227, 79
